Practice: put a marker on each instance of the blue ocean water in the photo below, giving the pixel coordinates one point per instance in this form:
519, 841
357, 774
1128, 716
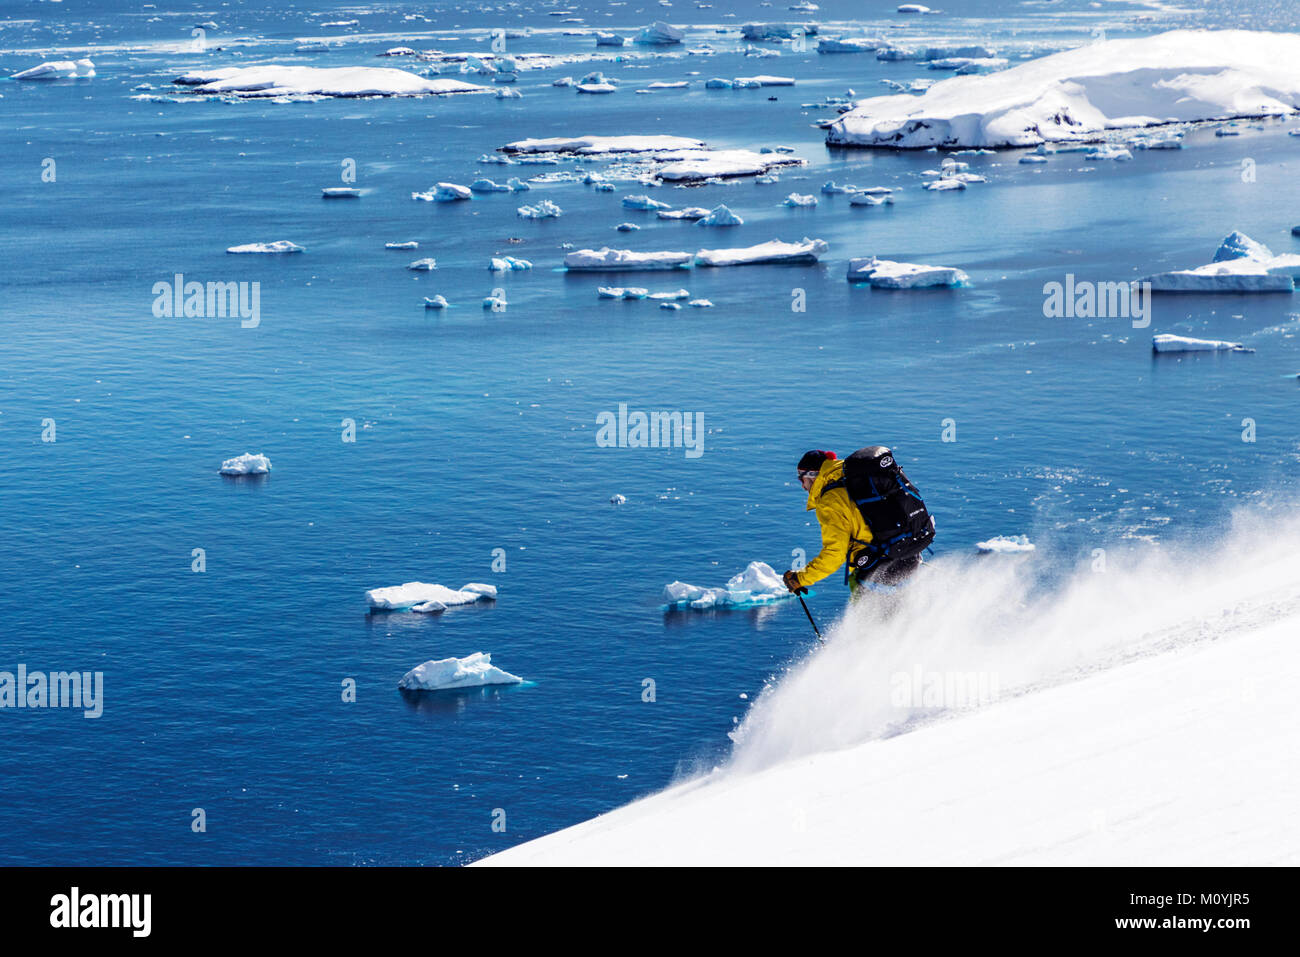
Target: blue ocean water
475, 429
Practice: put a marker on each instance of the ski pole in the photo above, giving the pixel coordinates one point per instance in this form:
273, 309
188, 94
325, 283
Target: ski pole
816, 630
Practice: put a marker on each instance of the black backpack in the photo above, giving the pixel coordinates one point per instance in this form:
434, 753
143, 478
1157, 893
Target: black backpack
901, 526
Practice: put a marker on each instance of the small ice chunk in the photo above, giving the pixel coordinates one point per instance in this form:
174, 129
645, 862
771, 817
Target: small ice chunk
340, 192
1172, 343
404, 245
888, 274
796, 200
618, 500
448, 674
423, 265
435, 302
643, 202
543, 210
720, 216
246, 464
413, 594
279, 246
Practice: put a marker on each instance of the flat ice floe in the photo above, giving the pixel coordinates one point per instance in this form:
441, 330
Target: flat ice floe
758, 584
888, 274
57, 70
598, 145
448, 674
606, 259
1172, 343
427, 596
277, 80
1240, 265
1178, 76
279, 246
804, 251
675, 159
246, 464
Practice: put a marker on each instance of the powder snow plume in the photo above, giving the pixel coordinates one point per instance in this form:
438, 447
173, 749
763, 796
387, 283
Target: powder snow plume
973, 630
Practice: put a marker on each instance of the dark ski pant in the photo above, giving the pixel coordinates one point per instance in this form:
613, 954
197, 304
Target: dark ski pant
887, 576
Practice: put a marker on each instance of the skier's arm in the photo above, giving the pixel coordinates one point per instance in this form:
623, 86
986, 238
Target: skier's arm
835, 547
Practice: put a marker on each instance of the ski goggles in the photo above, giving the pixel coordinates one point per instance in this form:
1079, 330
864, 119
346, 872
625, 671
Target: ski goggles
806, 473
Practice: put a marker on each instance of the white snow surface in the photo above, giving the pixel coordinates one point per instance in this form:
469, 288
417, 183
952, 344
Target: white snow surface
594, 260
277, 80
1177, 76
448, 674
1141, 717
57, 70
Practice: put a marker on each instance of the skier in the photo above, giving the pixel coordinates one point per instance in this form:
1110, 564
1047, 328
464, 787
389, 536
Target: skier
871, 517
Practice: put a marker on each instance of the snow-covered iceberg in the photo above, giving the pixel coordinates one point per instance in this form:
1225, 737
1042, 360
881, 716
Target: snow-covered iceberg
660, 34
1240, 265
847, 45
449, 674
758, 584
606, 259
1171, 343
777, 31
1177, 76
720, 216
426, 596
246, 464
57, 70
272, 80
804, 251
340, 192
888, 274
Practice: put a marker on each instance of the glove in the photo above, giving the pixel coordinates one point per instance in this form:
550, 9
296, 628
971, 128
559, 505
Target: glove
791, 579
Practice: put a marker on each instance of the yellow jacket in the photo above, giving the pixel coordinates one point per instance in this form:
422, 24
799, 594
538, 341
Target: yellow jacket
840, 521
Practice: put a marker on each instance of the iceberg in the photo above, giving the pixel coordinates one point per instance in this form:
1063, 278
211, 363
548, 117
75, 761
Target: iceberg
340, 192
57, 70
659, 33
435, 302
888, 274
246, 464
690, 212
758, 584
543, 210
488, 186
1240, 265
763, 80
508, 264
609, 39
427, 597
696, 165
618, 499
870, 199
777, 31
643, 203
594, 88
720, 216
1005, 544
449, 674
847, 45
1080, 94
404, 245
450, 192
274, 80
423, 265
597, 145
606, 259
1172, 343
796, 200
279, 246
805, 251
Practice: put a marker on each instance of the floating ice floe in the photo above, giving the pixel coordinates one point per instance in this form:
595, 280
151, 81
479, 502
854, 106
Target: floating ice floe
700, 303
543, 210
412, 244
689, 212
758, 584
752, 82
435, 302
871, 199
596, 88
679, 158
914, 8
450, 674
279, 246
668, 85
659, 34
488, 186
496, 302
1172, 343
1033, 158
848, 45
777, 31
945, 184
797, 200
423, 265
606, 259
1107, 152
1005, 544
720, 216
508, 264
643, 203
805, 251
604, 39
340, 192
888, 274
451, 192
275, 80
426, 596
1080, 94
627, 227
57, 70
1240, 265
246, 464
618, 500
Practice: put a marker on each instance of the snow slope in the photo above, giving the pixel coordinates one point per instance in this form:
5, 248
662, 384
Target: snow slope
1140, 716
1181, 75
